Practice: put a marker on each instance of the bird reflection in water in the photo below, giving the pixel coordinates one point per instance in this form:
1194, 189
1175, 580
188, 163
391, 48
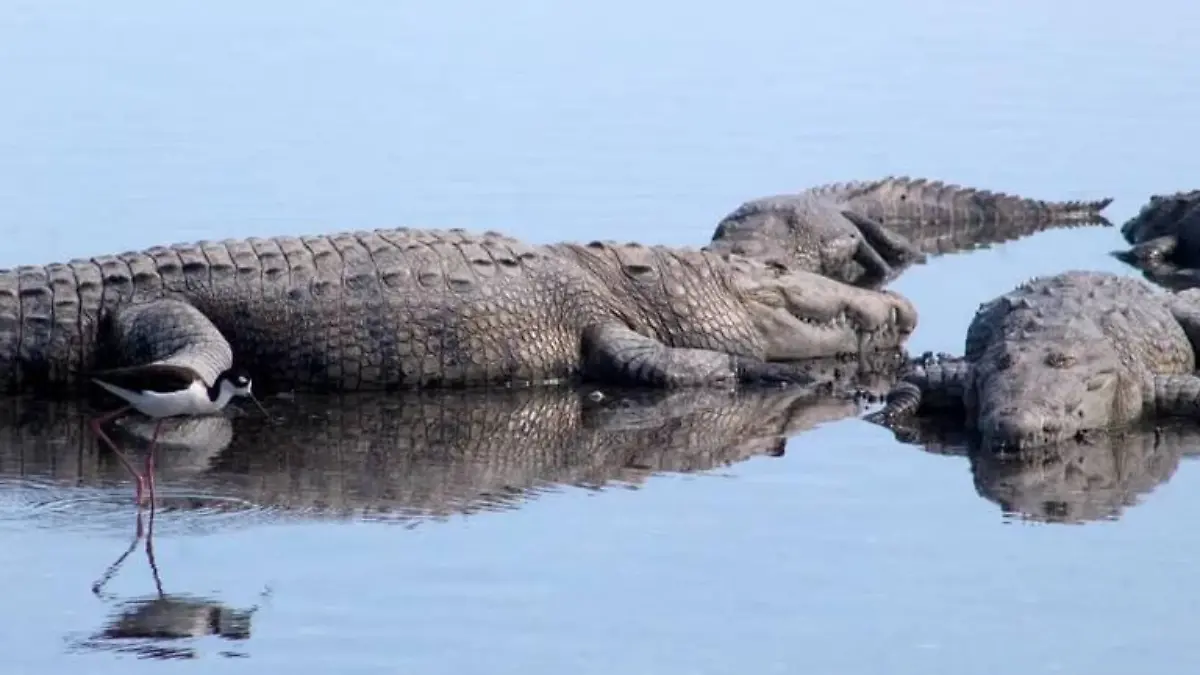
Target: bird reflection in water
164, 626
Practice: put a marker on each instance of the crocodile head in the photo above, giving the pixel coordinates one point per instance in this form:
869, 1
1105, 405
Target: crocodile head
801, 315
795, 230
1029, 395
1164, 215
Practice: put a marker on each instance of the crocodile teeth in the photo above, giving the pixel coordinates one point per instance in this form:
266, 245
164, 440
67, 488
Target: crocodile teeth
838, 321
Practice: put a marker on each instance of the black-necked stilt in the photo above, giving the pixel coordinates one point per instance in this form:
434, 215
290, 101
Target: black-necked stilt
161, 390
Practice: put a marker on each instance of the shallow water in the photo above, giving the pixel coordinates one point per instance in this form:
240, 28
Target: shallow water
132, 123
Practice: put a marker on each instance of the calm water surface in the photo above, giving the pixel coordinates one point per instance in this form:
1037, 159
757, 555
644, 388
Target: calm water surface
127, 124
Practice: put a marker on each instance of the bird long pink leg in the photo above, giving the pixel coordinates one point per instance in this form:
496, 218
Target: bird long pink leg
150, 461
97, 429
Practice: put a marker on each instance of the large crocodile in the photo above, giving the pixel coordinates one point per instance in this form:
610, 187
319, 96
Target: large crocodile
404, 308
1061, 356
1165, 239
867, 232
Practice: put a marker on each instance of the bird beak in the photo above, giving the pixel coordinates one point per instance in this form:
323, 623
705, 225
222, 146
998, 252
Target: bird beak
254, 398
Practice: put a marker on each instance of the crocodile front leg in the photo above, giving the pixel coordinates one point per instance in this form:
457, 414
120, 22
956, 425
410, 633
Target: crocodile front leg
1157, 260
893, 246
168, 331
1175, 396
1185, 309
1157, 249
938, 386
614, 353
882, 250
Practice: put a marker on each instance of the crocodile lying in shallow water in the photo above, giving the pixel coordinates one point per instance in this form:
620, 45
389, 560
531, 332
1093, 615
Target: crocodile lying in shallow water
1165, 239
867, 232
405, 308
1062, 356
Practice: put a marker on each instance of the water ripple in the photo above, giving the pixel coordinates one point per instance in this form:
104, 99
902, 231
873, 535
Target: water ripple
31, 502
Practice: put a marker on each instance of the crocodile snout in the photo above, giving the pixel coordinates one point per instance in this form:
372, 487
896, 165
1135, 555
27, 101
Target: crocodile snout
1015, 429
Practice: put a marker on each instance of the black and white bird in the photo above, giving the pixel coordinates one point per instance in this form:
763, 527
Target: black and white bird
163, 390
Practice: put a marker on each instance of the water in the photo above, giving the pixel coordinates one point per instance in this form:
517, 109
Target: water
129, 124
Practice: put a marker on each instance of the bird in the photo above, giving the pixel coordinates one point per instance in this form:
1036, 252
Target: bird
160, 391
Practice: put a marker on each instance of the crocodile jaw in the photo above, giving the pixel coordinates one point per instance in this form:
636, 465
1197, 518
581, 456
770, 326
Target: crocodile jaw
807, 325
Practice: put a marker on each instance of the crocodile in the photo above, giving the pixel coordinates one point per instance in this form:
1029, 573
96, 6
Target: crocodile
407, 308
1165, 240
867, 232
1061, 357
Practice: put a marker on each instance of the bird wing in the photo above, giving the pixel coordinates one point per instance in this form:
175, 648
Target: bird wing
160, 377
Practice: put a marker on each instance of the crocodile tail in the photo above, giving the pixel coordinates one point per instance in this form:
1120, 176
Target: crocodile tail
905, 198
942, 217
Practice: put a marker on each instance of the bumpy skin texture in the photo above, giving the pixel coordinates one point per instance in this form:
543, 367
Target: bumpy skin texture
867, 232
403, 309
414, 455
1062, 356
1165, 238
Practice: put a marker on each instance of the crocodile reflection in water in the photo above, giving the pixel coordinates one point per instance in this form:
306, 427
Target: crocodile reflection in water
407, 457
436, 453
1071, 482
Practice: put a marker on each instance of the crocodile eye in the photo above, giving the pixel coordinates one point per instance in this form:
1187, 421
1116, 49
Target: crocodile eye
1004, 362
1059, 360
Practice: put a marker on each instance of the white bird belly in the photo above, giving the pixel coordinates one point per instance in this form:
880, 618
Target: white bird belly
191, 401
